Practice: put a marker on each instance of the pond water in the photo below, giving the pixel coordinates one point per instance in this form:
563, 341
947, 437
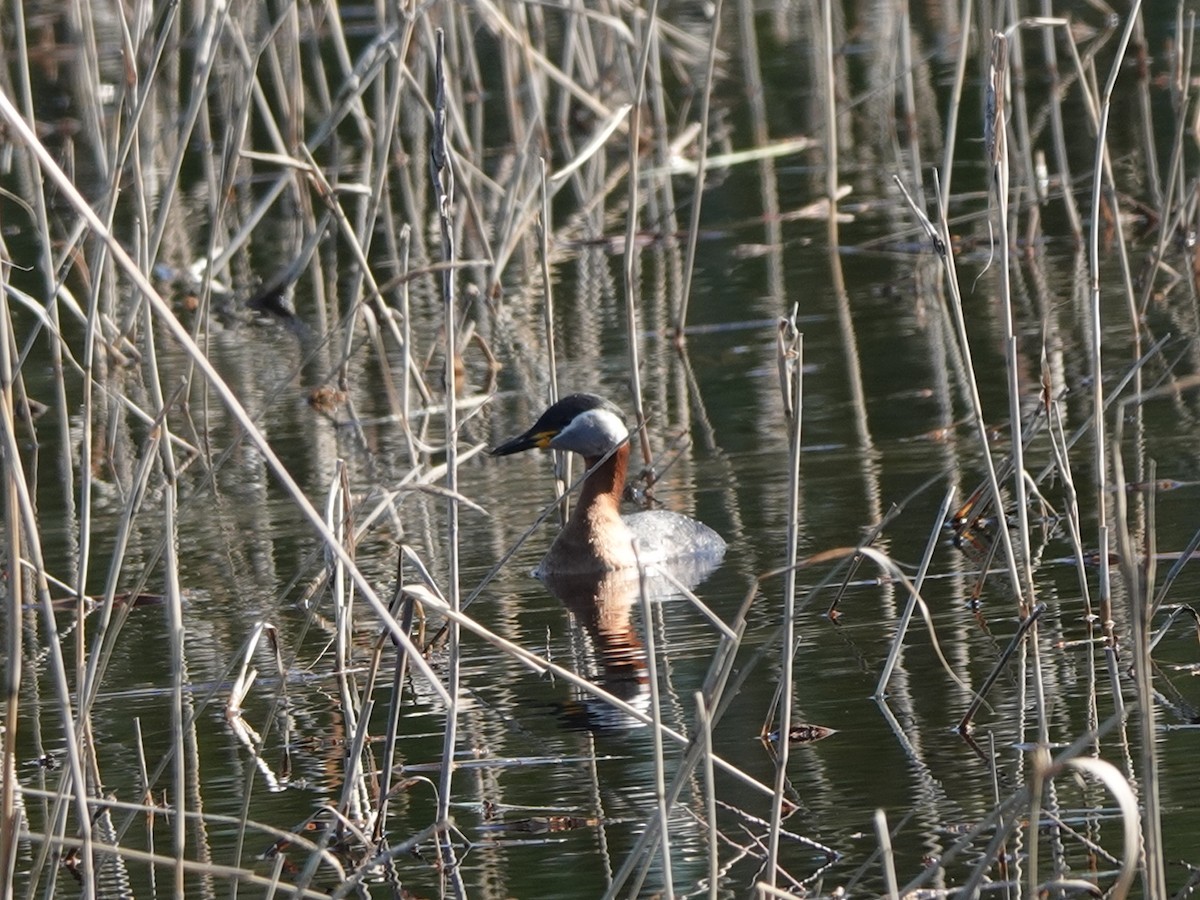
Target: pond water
556, 787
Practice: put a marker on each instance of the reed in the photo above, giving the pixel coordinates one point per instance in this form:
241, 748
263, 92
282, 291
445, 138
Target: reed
790, 362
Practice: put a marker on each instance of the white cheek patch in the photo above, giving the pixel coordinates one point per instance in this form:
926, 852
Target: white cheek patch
592, 433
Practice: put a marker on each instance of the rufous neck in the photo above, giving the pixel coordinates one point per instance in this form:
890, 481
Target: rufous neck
607, 481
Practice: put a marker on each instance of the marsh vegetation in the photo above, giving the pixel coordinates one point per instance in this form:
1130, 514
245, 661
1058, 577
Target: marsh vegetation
899, 297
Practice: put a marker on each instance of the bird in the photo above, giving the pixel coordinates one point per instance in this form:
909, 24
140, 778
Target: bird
597, 538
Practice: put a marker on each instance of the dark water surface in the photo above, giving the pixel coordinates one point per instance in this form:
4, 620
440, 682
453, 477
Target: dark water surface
534, 746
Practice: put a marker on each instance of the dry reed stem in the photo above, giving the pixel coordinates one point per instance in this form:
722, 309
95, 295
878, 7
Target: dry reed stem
704, 725
14, 598
910, 607
950, 142
942, 241
887, 858
22, 526
999, 152
693, 233
790, 354
442, 166
407, 602
663, 803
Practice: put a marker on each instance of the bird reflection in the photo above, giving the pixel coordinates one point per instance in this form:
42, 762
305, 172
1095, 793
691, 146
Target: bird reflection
602, 603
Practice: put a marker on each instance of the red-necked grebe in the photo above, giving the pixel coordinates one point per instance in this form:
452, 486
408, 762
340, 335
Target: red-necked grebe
597, 538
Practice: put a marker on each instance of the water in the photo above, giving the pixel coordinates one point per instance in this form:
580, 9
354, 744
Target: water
555, 786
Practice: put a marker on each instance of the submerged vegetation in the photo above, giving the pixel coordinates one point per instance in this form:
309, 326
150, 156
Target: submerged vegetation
276, 273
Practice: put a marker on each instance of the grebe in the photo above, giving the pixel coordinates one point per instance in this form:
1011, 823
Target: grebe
597, 538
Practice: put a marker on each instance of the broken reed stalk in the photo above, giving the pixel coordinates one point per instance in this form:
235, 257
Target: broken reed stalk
790, 350
877, 529
942, 241
998, 150
354, 804
704, 725
1005, 56
406, 603
887, 857
24, 543
1160, 595
174, 603
354, 707
1100, 172
1027, 623
14, 599
1071, 514
442, 174
911, 606
408, 363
